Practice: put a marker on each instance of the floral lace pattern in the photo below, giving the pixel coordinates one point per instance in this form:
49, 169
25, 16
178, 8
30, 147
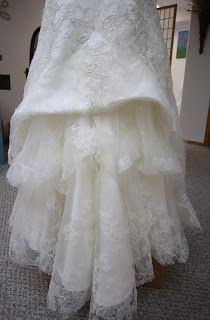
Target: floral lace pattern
114, 199
110, 51
97, 155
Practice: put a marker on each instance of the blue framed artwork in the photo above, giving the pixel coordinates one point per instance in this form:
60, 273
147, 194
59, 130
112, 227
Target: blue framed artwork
182, 44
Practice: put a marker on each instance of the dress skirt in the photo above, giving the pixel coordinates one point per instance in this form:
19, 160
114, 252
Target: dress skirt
97, 155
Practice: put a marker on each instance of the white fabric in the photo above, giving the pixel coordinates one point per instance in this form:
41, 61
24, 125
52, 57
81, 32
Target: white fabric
92, 56
97, 155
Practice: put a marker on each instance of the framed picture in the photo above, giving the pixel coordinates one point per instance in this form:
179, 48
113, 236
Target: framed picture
182, 44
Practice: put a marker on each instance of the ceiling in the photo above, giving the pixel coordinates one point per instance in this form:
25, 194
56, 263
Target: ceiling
182, 13
181, 3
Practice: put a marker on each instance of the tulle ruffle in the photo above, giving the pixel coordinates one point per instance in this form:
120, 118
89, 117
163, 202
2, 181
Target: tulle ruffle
98, 196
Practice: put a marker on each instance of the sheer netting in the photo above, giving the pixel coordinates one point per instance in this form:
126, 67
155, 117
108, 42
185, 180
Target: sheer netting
97, 155
98, 197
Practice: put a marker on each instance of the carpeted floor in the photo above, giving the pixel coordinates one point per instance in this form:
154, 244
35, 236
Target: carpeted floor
185, 292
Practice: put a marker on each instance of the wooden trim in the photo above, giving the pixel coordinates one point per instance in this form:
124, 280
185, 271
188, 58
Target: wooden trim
174, 26
207, 133
194, 142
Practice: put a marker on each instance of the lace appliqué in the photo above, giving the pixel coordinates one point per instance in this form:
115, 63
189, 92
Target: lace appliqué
83, 139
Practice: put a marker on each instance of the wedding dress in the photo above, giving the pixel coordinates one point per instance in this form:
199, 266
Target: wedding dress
96, 152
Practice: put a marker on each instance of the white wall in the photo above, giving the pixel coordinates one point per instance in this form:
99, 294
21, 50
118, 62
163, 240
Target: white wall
183, 18
178, 65
15, 36
196, 93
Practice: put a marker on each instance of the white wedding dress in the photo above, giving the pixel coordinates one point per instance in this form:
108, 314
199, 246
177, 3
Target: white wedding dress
96, 152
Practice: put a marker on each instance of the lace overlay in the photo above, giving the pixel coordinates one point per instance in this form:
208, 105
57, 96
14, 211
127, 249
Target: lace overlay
103, 195
96, 153
112, 52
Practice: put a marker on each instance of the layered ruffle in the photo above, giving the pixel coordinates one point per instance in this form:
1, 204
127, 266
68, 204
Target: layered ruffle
99, 195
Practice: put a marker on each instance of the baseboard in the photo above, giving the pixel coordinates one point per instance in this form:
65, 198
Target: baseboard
194, 142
